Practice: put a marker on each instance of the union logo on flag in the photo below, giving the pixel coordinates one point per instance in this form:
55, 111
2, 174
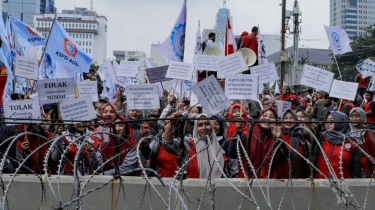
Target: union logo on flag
70, 48
31, 31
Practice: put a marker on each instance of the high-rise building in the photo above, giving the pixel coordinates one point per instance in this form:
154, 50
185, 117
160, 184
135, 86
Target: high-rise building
156, 58
352, 15
133, 56
86, 27
272, 42
24, 10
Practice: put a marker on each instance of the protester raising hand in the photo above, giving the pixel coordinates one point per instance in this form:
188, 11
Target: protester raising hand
276, 130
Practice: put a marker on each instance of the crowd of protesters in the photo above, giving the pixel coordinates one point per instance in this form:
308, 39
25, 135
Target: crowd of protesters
320, 137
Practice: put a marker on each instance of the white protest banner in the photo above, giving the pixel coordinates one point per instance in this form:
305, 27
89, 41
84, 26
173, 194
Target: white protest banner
205, 62
344, 90
21, 111
267, 72
282, 106
78, 109
88, 88
157, 74
231, 64
128, 69
210, 95
316, 78
241, 86
55, 90
194, 100
366, 68
106, 71
27, 67
180, 70
143, 96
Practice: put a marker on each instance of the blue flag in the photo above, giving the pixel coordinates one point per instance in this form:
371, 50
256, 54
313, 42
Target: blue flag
65, 50
27, 36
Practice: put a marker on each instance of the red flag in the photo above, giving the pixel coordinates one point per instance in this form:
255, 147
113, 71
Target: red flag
230, 42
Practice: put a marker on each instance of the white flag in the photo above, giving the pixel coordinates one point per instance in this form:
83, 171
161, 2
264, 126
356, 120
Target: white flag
198, 43
262, 55
366, 68
106, 70
338, 39
172, 49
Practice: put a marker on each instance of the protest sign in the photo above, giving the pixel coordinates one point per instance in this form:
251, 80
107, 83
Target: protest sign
211, 96
21, 111
143, 96
157, 74
194, 100
205, 62
241, 86
282, 106
366, 68
127, 69
344, 90
267, 72
55, 90
107, 71
180, 70
316, 78
88, 88
78, 109
27, 67
231, 64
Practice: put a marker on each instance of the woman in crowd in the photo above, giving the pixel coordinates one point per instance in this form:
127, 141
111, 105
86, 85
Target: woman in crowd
134, 127
189, 124
237, 111
343, 155
364, 139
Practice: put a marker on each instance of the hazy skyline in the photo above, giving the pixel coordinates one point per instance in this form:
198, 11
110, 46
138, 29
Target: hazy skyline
135, 25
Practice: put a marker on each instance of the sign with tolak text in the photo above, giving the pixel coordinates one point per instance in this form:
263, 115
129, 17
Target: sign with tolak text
55, 90
21, 111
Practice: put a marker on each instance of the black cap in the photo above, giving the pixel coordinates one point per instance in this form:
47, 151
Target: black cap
254, 29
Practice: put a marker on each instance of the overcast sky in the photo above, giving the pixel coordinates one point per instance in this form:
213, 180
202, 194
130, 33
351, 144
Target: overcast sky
136, 24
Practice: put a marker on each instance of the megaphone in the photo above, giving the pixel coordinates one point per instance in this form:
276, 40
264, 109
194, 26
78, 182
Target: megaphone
213, 51
249, 56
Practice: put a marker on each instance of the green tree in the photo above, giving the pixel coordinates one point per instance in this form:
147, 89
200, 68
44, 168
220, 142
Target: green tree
363, 47
94, 66
133, 59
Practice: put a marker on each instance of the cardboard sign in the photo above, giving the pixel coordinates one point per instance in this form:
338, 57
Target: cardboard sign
282, 106
231, 64
55, 90
157, 74
78, 109
143, 96
267, 72
27, 68
205, 62
106, 71
210, 95
180, 70
344, 90
128, 69
88, 88
21, 111
316, 78
241, 86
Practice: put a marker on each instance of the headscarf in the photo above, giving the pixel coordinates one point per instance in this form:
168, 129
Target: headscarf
232, 125
296, 139
261, 143
203, 155
102, 111
356, 132
136, 126
343, 128
106, 127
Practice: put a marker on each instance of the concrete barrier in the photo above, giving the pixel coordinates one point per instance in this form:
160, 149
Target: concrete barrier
132, 193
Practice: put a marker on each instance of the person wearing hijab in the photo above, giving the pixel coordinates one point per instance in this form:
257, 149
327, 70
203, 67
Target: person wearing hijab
364, 139
189, 124
261, 146
134, 127
235, 113
201, 148
293, 136
340, 151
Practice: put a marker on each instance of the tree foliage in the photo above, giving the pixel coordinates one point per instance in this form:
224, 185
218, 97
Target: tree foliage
363, 47
94, 66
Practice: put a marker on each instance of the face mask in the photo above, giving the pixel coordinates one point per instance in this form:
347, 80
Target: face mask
192, 116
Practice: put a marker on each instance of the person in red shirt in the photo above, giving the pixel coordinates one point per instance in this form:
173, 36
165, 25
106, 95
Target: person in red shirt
286, 95
362, 84
251, 41
369, 106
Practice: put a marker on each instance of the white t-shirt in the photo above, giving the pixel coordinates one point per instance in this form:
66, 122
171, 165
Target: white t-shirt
209, 43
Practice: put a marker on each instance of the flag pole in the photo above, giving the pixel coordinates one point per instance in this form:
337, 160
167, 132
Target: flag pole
45, 46
338, 68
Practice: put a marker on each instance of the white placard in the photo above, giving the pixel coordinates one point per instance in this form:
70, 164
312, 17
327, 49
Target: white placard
194, 100
180, 70
27, 67
343, 90
210, 95
127, 69
205, 62
88, 88
241, 86
143, 96
282, 106
55, 90
267, 72
107, 71
24, 110
231, 64
316, 78
78, 109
